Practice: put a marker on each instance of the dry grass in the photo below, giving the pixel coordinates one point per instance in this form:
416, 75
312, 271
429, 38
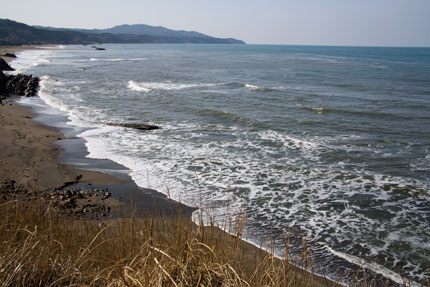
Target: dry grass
42, 248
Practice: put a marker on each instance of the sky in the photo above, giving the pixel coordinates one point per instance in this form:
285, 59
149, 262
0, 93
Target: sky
292, 22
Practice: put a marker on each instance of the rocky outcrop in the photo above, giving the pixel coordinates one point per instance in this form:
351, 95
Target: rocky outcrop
5, 66
143, 127
3, 81
22, 85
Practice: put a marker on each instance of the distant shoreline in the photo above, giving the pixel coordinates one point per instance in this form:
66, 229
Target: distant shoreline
19, 34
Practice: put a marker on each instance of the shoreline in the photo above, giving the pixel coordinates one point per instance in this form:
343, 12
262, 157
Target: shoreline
122, 186
146, 201
61, 148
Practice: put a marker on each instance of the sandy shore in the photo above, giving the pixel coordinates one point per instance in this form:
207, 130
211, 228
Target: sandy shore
15, 49
30, 156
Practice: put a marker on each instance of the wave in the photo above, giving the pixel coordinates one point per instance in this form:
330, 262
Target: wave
249, 87
379, 269
115, 59
29, 59
46, 93
168, 85
66, 99
152, 86
318, 110
229, 116
322, 110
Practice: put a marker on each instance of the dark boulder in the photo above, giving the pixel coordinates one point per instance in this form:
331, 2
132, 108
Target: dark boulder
5, 66
3, 81
10, 55
143, 127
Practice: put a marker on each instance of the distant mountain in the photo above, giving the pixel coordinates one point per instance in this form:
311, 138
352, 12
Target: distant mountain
15, 33
137, 29
142, 29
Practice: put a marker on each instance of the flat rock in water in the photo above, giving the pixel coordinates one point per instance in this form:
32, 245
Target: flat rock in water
143, 127
10, 55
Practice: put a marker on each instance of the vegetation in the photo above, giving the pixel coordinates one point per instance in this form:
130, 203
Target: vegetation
41, 248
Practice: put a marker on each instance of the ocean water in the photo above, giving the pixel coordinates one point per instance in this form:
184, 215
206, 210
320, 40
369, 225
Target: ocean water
329, 143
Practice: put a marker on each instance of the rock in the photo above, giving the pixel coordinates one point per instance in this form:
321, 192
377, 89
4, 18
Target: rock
3, 81
10, 55
5, 66
99, 49
10, 188
143, 127
22, 85
106, 195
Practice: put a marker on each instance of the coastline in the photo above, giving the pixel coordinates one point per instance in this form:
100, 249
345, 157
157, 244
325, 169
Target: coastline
42, 147
15, 49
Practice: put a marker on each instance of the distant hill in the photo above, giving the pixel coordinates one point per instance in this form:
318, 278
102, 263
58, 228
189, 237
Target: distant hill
15, 33
142, 29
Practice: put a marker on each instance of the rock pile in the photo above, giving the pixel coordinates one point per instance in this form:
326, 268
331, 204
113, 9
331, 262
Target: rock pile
22, 85
75, 202
79, 202
10, 190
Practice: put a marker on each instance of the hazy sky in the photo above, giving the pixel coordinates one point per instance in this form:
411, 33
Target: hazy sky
308, 22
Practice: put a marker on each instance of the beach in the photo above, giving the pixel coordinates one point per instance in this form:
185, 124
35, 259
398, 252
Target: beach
292, 144
31, 157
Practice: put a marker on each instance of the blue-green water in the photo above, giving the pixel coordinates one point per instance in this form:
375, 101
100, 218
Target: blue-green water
332, 142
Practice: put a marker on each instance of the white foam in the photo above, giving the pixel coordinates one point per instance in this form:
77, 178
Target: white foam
55, 94
47, 94
317, 109
28, 59
252, 87
132, 85
152, 86
114, 59
290, 141
379, 269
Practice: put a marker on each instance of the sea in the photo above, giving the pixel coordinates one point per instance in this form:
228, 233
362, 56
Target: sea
327, 147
